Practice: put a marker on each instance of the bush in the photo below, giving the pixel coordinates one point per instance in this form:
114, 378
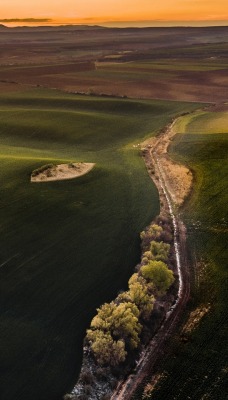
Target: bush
87, 389
113, 383
82, 397
114, 329
49, 173
86, 377
159, 275
153, 232
159, 251
105, 397
101, 375
42, 169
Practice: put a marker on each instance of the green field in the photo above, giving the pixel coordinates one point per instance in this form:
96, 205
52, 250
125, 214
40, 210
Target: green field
151, 66
69, 246
198, 369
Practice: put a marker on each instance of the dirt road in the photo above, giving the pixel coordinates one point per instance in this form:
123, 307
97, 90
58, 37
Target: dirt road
153, 154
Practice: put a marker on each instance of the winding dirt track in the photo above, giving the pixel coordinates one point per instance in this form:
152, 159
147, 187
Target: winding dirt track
126, 389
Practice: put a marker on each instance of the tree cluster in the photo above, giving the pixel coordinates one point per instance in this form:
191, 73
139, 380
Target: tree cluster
41, 169
115, 330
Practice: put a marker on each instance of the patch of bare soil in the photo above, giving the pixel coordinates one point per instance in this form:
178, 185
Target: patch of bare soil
177, 178
66, 61
7, 87
149, 388
61, 172
220, 107
195, 318
99, 83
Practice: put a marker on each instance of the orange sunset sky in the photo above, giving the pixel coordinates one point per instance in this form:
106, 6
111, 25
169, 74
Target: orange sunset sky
93, 11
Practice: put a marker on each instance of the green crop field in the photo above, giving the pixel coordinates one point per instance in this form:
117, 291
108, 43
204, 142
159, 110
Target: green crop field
67, 246
150, 66
197, 369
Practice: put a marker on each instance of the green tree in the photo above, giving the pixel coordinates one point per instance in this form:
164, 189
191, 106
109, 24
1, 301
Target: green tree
144, 301
147, 256
136, 278
159, 275
138, 294
154, 232
105, 349
126, 324
104, 318
115, 326
159, 251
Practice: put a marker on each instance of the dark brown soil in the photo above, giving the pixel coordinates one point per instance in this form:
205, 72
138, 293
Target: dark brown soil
65, 58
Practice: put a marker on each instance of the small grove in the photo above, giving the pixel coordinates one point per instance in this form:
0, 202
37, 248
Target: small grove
41, 169
117, 329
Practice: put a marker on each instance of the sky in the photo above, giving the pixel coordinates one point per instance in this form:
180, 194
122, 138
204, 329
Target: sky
94, 11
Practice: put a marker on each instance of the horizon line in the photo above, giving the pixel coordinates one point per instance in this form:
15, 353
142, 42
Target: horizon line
39, 22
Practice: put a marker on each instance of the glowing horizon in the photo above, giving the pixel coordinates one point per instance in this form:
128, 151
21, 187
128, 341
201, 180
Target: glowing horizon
103, 11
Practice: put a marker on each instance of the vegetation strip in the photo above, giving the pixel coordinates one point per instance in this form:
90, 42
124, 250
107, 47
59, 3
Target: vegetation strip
126, 389
99, 336
117, 328
198, 347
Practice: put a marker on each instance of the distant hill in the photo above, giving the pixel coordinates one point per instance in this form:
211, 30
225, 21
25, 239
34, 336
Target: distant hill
54, 28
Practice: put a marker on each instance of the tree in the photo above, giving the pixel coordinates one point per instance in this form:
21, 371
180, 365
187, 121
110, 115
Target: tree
154, 232
136, 278
104, 318
105, 349
159, 251
115, 327
144, 301
147, 256
138, 294
159, 275
142, 295
126, 324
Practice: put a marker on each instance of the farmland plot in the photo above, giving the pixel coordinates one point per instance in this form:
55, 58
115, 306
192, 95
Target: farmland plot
67, 246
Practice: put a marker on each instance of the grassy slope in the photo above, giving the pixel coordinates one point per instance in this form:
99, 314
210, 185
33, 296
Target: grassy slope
198, 369
66, 247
